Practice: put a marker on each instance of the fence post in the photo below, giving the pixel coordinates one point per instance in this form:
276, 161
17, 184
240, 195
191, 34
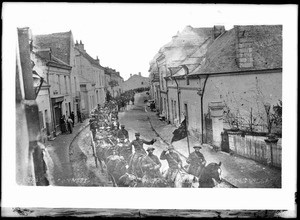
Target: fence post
271, 142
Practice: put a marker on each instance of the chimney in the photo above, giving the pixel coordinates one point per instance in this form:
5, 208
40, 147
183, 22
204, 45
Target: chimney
218, 30
97, 60
130, 75
244, 46
80, 46
139, 73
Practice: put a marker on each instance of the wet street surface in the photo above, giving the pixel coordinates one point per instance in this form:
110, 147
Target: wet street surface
136, 119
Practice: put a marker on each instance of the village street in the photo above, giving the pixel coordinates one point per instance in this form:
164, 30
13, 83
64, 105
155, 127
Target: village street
236, 171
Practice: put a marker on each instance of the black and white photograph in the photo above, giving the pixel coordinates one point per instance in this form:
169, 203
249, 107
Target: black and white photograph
149, 110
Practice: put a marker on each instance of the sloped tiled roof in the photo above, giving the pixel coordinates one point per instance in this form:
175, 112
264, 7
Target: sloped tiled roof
266, 51
221, 55
51, 59
59, 43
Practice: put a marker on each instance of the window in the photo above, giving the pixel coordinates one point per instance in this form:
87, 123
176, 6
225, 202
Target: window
66, 105
172, 109
142, 83
175, 109
66, 85
69, 84
58, 82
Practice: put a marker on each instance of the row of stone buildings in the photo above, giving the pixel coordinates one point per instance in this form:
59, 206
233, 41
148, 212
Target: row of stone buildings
72, 81
219, 78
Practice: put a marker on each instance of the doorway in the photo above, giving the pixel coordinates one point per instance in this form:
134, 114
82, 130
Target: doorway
69, 108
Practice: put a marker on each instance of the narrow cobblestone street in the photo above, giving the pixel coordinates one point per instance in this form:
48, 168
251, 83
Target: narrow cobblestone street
236, 171
241, 172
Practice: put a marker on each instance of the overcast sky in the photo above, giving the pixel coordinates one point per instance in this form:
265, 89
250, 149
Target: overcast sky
126, 37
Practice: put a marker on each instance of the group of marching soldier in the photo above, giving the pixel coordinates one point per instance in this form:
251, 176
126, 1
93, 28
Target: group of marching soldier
104, 123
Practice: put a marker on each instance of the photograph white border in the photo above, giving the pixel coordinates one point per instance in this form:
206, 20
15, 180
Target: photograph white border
147, 198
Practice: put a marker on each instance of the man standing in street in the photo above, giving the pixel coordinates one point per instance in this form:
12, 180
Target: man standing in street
196, 161
79, 116
62, 124
174, 162
70, 124
138, 150
73, 118
123, 133
151, 164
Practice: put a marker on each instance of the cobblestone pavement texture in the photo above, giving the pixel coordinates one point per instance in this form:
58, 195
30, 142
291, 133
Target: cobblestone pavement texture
75, 164
241, 172
59, 152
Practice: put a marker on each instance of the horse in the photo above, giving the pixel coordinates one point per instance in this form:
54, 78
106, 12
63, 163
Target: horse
183, 179
136, 164
210, 175
130, 180
124, 150
116, 167
140, 178
154, 182
104, 148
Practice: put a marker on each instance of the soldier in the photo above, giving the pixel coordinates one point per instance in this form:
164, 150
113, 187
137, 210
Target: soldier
174, 162
93, 127
123, 133
124, 149
138, 150
151, 164
196, 161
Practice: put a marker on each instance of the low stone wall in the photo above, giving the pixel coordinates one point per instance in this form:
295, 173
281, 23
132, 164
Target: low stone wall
256, 148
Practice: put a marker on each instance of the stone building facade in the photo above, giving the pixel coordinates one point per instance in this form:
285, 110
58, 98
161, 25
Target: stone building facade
55, 98
114, 82
227, 81
62, 47
91, 78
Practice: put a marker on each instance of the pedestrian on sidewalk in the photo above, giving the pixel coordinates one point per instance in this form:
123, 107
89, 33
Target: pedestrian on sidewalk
79, 116
73, 118
62, 124
196, 161
66, 124
174, 162
70, 124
